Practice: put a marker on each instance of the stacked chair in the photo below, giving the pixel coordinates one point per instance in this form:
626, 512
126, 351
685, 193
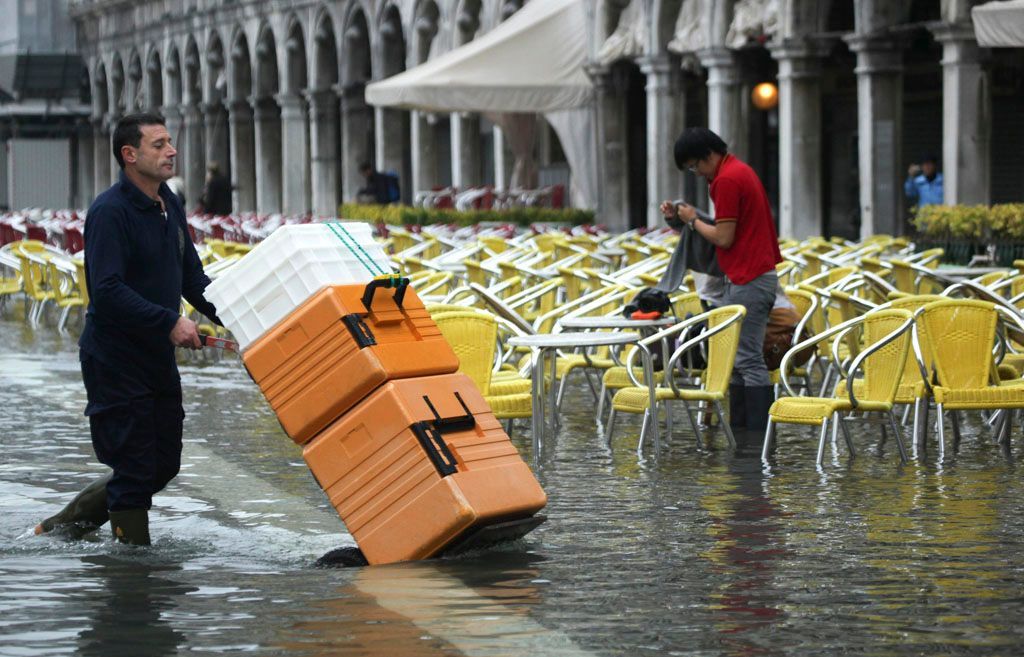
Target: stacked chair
359, 374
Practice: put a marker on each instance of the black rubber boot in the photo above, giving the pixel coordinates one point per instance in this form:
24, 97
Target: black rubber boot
86, 513
759, 400
131, 526
737, 406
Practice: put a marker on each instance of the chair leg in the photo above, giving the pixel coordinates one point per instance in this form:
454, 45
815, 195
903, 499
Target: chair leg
941, 430
643, 430
906, 415
899, 437
917, 425
693, 425
954, 418
509, 424
602, 399
63, 319
610, 429
668, 422
725, 425
846, 435
769, 435
1008, 429
821, 441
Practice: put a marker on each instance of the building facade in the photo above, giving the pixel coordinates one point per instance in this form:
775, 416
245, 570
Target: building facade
273, 92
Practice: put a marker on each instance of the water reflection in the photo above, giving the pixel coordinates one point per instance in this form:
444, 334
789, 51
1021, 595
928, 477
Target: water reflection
129, 607
476, 606
747, 529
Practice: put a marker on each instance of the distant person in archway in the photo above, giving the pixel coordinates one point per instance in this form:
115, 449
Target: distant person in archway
216, 197
924, 182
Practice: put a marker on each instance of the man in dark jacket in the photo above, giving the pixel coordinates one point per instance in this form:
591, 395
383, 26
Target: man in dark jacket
139, 263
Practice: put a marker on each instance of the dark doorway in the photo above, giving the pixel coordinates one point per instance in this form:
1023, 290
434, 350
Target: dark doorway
631, 82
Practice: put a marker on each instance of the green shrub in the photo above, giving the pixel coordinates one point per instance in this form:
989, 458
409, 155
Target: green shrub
401, 215
1003, 221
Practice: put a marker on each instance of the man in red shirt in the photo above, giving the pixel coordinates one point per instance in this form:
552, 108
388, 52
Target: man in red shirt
747, 248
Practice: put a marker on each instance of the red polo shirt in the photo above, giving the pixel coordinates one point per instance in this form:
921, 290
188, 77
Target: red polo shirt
739, 196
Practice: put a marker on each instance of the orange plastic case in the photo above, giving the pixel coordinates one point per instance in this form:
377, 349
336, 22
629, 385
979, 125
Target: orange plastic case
339, 346
419, 463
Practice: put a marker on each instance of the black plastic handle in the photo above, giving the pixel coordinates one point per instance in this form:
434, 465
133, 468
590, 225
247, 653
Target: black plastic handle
437, 450
400, 283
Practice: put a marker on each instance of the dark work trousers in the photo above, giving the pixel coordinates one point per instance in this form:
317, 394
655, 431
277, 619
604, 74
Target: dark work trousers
758, 297
136, 430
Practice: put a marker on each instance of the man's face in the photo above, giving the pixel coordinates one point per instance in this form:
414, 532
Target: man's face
705, 168
928, 169
154, 158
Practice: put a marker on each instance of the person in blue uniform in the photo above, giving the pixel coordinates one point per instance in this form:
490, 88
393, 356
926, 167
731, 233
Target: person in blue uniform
139, 263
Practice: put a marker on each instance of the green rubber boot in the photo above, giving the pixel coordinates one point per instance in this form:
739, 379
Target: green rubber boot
86, 513
130, 526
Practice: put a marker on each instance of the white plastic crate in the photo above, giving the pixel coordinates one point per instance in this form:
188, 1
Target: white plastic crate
287, 268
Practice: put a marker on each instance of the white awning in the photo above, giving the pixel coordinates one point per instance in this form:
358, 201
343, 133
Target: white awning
999, 24
532, 62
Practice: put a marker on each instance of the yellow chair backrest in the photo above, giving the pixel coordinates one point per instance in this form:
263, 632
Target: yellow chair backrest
475, 273
722, 348
472, 335
912, 303
883, 369
961, 333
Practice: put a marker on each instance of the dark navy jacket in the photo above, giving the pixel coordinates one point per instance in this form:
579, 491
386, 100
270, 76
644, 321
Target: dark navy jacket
138, 266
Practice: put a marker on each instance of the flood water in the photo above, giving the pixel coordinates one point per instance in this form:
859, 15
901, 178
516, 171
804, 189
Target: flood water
688, 553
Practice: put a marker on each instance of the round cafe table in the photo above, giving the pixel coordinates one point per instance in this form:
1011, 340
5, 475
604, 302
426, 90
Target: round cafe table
543, 345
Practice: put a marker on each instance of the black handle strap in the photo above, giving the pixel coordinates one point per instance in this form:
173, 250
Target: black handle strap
430, 433
399, 283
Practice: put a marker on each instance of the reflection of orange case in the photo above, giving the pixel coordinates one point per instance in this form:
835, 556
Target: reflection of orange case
410, 471
330, 353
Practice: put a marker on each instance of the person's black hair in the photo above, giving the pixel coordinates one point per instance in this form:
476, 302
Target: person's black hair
128, 131
930, 157
365, 166
697, 144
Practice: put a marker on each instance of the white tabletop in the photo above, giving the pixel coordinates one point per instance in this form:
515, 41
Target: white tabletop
565, 340
614, 322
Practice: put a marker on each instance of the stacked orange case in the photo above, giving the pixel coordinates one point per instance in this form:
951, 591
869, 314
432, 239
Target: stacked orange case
339, 346
419, 463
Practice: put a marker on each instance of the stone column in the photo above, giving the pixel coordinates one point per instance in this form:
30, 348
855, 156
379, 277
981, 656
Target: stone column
102, 156
295, 158
323, 147
357, 137
879, 121
267, 120
800, 164
728, 110
172, 117
424, 154
216, 137
966, 117
113, 166
389, 149
85, 185
665, 120
465, 150
500, 169
193, 167
243, 156
613, 203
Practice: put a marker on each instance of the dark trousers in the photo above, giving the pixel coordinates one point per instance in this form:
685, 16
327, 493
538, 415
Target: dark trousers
136, 430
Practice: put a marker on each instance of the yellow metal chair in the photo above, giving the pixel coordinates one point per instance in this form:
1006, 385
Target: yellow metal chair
957, 355
32, 256
65, 292
472, 335
721, 337
887, 341
9, 285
